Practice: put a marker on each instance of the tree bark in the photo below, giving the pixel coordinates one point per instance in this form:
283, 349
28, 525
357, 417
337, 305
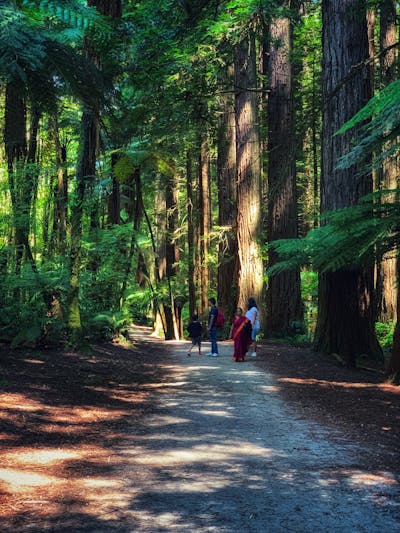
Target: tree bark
227, 198
204, 222
250, 272
172, 253
16, 150
114, 199
60, 192
285, 310
387, 284
371, 19
393, 368
345, 308
86, 167
21, 165
190, 230
86, 170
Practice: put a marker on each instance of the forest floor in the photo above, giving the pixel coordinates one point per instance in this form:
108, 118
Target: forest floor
143, 438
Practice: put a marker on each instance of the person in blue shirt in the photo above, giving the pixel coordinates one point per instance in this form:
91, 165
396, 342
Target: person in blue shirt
212, 327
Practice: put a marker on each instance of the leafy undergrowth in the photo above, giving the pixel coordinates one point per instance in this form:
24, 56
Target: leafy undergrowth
359, 402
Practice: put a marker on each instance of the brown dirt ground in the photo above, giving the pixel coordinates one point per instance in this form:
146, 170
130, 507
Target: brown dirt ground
62, 412
359, 402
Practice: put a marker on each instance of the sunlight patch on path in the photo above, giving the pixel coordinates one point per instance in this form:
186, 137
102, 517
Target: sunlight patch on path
237, 458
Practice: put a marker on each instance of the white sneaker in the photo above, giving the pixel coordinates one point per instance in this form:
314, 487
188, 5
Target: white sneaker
214, 355
209, 353
254, 354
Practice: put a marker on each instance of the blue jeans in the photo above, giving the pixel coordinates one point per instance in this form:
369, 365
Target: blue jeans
213, 339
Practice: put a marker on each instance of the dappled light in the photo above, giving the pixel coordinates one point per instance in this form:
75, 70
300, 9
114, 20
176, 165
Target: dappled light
199, 266
340, 384
107, 456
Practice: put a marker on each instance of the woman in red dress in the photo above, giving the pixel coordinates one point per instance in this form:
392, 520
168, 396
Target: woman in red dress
240, 335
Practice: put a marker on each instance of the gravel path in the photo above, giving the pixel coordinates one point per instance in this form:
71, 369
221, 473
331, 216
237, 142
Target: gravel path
224, 453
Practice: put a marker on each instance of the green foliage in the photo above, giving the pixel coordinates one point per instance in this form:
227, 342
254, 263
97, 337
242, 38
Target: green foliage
309, 295
38, 51
384, 332
22, 49
107, 325
29, 318
353, 236
380, 134
138, 303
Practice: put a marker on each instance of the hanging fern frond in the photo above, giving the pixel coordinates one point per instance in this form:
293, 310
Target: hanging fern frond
70, 13
352, 236
379, 136
21, 48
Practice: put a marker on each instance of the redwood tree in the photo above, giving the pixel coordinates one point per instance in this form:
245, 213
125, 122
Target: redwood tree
284, 305
204, 221
345, 306
250, 275
85, 172
387, 282
227, 196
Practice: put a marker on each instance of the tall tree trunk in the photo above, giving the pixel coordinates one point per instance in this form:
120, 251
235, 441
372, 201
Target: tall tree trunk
393, 368
114, 199
204, 225
16, 149
227, 198
60, 192
172, 252
168, 256
387, 284
285, 310
190, 229
160, 322
22, 173
86, 170
345, 307
86, 167
315, 146
250, 274
371, 19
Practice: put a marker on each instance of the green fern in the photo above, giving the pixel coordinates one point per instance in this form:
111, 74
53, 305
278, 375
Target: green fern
352, 237
379, 136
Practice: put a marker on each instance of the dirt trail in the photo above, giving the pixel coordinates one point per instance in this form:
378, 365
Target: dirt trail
225, 454
214, 449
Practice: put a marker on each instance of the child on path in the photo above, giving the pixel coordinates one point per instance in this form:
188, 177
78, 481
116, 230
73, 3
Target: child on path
195, 330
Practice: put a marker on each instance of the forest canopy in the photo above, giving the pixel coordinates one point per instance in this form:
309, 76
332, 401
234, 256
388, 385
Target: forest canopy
155, 154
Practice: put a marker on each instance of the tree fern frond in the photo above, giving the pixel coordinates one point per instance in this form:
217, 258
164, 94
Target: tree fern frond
380, 135
71, 13
380, 103
352, 236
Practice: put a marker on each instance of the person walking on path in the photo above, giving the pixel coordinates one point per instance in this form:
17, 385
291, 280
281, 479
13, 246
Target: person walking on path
253, 315
212, 327
195, 330
240, 333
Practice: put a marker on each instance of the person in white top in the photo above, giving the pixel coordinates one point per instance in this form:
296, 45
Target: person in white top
253, 316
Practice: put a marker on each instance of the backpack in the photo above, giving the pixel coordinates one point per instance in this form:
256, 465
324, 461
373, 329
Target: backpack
220, 319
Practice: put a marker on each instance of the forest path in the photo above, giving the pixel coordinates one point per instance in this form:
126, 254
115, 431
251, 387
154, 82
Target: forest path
224, 453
